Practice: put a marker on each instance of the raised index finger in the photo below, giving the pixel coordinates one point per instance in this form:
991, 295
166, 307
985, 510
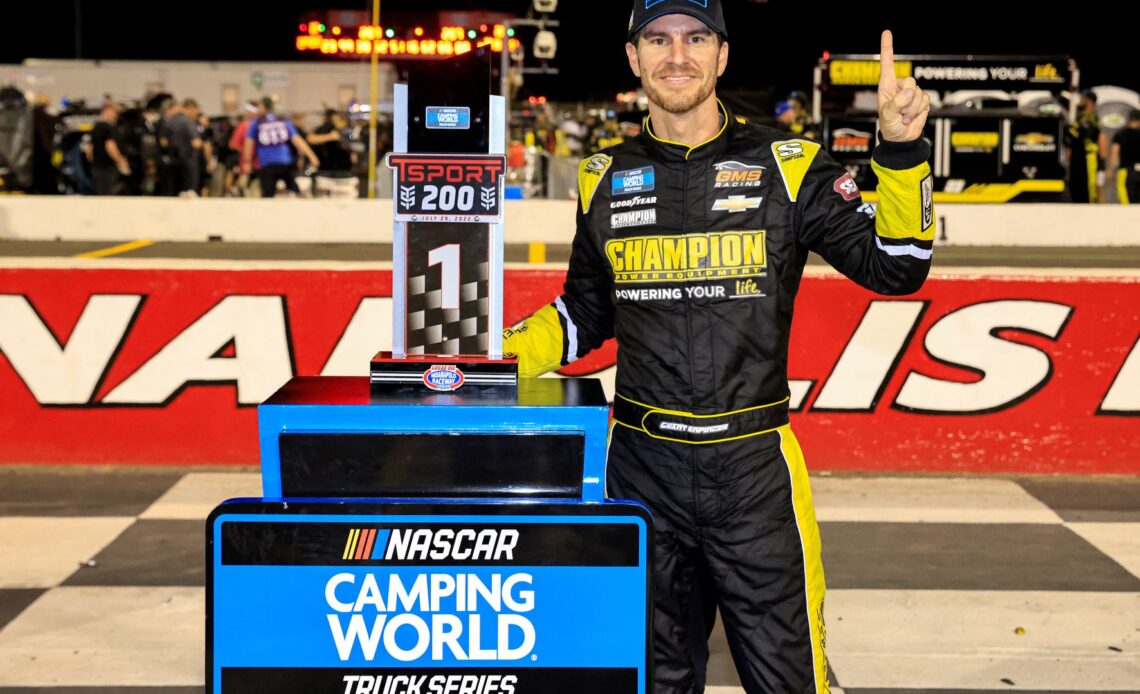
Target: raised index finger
887, 58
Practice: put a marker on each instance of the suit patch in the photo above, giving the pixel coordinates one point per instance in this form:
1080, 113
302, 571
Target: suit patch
735, 174
633, 202
723, 255
927, 202
633, 181
787, 151
847, 188
736, 203
590, 174
636, 218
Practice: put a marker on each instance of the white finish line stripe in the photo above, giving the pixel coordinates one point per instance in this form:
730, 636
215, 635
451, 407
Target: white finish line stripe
926, 500
970, 639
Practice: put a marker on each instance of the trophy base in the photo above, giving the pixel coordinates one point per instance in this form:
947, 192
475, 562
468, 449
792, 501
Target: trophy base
442, 373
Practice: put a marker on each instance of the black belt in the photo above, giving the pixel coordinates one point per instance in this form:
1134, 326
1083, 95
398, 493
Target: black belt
685, 427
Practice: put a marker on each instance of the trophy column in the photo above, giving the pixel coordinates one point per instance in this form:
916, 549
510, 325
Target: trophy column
448, 166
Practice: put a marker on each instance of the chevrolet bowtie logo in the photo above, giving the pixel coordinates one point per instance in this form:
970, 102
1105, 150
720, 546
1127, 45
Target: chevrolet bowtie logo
736, 203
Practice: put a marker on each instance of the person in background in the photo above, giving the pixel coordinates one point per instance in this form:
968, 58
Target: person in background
573, 134
206, 153
630, 129
181, 141
610, 134
1082, 143
107, 161
153, 168
45, 175
1124, 160
328, 141
237, 144
807, 127
786, 116
590, 133
298, 121
269, 137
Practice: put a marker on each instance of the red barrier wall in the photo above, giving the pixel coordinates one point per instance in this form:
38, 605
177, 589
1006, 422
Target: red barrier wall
973, 374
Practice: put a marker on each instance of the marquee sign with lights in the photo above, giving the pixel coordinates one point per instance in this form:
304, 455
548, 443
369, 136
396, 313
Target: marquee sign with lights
403, 43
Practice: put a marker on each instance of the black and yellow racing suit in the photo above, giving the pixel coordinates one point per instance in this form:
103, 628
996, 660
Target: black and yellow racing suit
691, 257
1128, 165
1083, 139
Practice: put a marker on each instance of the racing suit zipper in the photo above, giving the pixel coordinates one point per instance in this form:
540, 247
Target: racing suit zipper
685, 297
689, 343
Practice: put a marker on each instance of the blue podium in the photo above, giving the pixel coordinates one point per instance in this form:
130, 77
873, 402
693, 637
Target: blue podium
411, 541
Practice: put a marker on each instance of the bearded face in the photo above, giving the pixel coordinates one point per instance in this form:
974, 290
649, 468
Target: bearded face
678, 59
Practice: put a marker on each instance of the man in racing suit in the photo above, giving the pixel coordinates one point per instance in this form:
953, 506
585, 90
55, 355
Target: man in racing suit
691, 241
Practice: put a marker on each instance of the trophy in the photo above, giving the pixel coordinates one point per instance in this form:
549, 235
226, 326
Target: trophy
448, 163
439, 526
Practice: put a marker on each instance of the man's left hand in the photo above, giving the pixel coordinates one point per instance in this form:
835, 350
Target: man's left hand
903, 106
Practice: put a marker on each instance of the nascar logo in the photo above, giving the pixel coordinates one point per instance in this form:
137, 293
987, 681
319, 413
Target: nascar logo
634, 181
422, 544
362, 545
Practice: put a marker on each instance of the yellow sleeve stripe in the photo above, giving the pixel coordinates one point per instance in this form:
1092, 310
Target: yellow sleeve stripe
591, 171
906, 203
538, 341
794, 158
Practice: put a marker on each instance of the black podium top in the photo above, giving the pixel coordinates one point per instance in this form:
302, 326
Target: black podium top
355, 390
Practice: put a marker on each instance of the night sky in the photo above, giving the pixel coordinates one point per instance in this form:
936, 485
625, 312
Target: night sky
773, 44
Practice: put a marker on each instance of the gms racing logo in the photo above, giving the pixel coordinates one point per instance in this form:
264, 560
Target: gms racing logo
734, 174
714, 255
410, 615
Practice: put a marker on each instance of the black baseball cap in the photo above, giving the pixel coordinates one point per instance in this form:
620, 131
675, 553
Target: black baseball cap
708, 11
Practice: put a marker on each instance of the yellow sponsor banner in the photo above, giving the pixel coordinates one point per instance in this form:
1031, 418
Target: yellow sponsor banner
855, 72
986, 141
713, 255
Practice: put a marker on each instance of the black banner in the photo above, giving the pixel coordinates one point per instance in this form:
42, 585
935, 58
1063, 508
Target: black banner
355, 543
436, 466
429, 681
458, 188
947, 72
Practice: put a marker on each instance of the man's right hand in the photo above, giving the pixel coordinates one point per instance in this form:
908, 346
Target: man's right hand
903, 106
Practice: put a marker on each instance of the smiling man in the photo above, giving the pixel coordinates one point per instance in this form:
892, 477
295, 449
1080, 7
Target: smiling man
690, 246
